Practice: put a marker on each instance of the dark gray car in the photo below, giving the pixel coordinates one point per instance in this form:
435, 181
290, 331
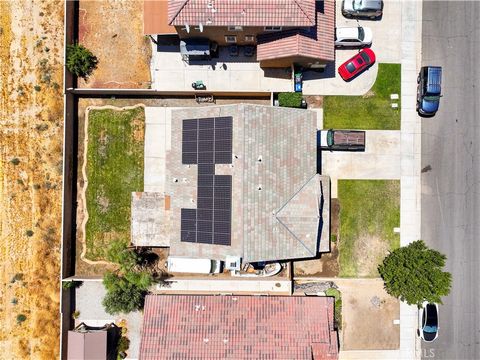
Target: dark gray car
362, 8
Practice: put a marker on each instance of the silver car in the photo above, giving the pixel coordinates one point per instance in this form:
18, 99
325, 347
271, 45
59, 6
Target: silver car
362, 8
355, 36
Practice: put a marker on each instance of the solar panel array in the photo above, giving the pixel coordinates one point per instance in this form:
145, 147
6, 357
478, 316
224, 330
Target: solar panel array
206, 142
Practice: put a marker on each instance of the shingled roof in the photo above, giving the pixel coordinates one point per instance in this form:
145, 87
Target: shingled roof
276, 200
238, 327
316, 42
287, 13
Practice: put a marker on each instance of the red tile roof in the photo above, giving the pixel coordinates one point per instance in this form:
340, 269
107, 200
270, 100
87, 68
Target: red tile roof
316, 42
285, 13
238, 327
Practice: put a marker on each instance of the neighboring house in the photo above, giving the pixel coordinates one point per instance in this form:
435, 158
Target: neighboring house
286, 32
93, 343
241, 181
238, 327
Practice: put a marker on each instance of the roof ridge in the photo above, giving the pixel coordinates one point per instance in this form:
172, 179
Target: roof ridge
285, 204
180, 8
304, 12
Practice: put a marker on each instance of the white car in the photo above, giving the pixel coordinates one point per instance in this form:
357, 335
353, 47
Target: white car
356, 36
428, 321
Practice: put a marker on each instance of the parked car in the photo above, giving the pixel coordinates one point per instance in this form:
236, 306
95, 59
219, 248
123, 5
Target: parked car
357, 64
355, 36
428, 321
362, 8
194, 266
429, 90
347, 140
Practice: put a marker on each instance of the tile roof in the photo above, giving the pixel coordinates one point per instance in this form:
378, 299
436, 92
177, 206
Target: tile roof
242, 12
238, 327
280, 221
316, 42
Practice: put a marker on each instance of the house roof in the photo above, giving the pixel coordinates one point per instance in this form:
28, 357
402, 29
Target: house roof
287, 13
316, 42
276, 196
87, 345
150, 221
238, 327
155, 18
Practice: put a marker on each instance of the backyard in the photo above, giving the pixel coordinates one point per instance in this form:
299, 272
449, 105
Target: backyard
373, 110
369, 212
114, 169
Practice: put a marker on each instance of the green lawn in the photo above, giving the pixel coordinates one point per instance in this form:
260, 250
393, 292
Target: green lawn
371, 111
114, 170
369, 211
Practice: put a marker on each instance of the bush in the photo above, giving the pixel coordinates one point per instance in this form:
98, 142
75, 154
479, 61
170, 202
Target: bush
338, 306
290, 99
71, 284
119, 253
29, 233
122, 346
17, 277
414, 274
15, 161
80, 61
21, 318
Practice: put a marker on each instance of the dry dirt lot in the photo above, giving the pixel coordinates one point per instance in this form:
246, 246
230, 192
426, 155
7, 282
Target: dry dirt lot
31, 133
368, 313
113, 31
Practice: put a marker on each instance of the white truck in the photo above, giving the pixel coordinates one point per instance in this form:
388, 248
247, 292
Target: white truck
193, 266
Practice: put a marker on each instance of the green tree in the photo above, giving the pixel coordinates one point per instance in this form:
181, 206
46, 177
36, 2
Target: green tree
414, 274
80, 60
119, 253
126, 288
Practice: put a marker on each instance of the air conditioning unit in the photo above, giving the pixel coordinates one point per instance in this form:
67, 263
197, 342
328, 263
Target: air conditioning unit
233, 263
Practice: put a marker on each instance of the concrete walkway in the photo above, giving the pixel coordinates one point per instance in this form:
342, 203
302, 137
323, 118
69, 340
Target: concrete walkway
157, 142
381, 159
410, 182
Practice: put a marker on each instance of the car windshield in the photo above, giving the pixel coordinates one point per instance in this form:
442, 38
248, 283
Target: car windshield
430, 329
361, 33
365, 57
357, 4
431, 98
350, 67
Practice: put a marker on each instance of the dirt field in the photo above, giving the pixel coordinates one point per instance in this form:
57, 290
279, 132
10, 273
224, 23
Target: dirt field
368, 313
31, 133
113, 31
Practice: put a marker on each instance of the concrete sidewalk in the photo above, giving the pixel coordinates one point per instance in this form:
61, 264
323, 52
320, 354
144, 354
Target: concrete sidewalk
410, 182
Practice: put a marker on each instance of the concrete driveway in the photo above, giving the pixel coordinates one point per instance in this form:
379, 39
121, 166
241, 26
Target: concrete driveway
380, 161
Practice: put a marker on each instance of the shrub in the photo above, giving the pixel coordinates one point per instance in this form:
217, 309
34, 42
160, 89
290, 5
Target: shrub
21, 318
29, 233
290, 99
118, 253
14, 301
80, 61
338, 306
37, 88
123, 344
17, 277
71, 284
75, 314
15, 161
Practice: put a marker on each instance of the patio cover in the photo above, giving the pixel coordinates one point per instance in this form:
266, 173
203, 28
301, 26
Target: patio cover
195, 47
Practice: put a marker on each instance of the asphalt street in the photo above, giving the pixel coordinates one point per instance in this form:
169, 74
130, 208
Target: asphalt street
450, 171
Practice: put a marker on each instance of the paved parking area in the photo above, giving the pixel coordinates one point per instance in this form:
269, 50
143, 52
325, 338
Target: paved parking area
381, 159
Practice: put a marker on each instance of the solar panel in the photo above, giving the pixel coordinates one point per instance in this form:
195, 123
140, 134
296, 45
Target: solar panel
204, 238
207, 142
189, 146
205, 226
221, 239
190, 124
205, 146
221, 215
223, 180
206, 123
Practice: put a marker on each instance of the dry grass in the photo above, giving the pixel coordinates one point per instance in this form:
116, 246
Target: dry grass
31, 131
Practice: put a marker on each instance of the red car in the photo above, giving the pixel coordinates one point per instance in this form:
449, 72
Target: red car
354, 66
